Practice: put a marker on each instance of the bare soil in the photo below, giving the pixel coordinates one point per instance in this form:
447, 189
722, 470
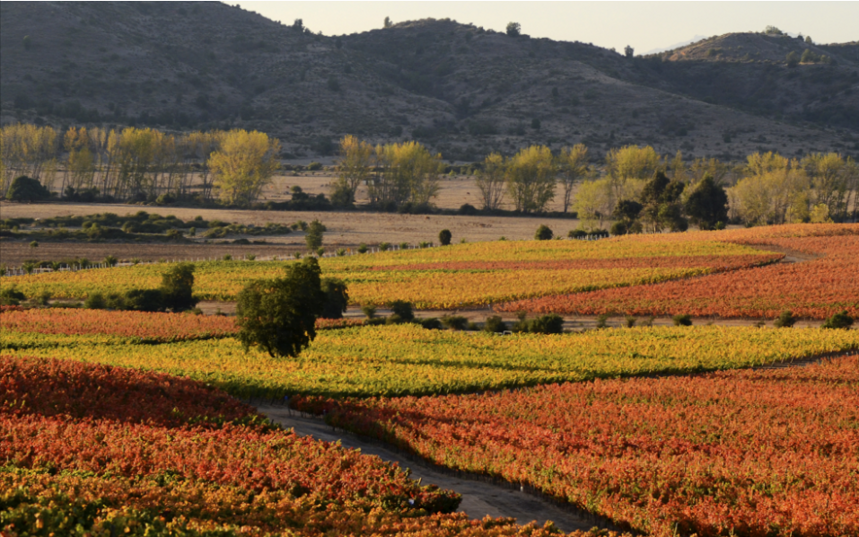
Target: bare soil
479, 496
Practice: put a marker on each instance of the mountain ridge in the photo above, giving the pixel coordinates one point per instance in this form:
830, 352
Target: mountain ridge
458, 88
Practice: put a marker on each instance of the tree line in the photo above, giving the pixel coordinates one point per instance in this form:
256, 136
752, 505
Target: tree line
234, 166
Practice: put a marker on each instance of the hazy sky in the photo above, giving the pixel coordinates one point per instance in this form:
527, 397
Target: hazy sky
644, 25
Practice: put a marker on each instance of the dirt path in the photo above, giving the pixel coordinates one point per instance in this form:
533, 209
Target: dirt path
479, 497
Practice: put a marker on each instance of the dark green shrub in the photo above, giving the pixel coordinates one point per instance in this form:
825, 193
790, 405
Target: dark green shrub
444, 237
110, 261
385, 246
521, 324
577, 234
24, 188
543, 233
95, 301
494, 324
144, 300
630, 321
682, 320
403, 310
431, 323
839, 320
11, 297
336, 298
177, 285
362, 248
785, 320
404, 246
619, 228
369, 310
602, 321
547, 324
454, 322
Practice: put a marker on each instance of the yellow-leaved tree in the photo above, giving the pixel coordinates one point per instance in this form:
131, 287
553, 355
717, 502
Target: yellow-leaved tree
573, 165
531, 179
490, 181
243, 165
355, 165
409, 173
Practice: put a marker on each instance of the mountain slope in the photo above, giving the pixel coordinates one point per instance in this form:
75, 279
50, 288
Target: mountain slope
460, 89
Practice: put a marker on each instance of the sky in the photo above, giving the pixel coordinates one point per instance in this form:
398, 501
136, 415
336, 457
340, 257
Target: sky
646, 26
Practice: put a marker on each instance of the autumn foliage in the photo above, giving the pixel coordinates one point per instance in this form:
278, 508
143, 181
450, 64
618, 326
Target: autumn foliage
746, 453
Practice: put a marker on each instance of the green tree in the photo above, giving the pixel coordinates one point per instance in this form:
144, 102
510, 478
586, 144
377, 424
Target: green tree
792, 59
279, 315
336, 298
387, 23
313, 238
444, 237
244, 164
514, 29
628, 51
543, 233
177, 285
26, 189
490, 181
661, 201
626, 212
531, 179
707, 205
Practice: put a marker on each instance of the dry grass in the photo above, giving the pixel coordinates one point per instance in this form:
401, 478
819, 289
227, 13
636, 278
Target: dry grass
345, 230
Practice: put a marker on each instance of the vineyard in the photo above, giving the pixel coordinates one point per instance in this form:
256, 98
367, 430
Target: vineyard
135, 423
813, 289
89, 460
753, 453
452, 276
409, 360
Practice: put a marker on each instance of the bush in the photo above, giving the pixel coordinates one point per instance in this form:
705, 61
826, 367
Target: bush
177, 286
431, 323
547, 324
228, 257
494, 324
630, 321
839, 320
279, 315
682, 320
341, 252
404, 246
110, 261
467, 209
543, 233
362, 248
454, 322
602, 321
403, 310
314, 235
385, 246
95, 301
577, 234
444, 237
369, 310
336, 298
141, 300
785, 320
24, 188
618, 228
11, 297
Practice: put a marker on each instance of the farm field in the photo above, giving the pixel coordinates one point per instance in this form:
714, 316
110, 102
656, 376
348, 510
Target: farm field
409, 360
764, 452
816, 288
446, 277
83, 457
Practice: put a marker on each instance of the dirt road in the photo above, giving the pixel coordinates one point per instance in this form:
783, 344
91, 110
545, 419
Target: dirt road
479, 497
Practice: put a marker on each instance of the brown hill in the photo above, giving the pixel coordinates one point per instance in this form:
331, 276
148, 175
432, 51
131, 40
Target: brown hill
461, 89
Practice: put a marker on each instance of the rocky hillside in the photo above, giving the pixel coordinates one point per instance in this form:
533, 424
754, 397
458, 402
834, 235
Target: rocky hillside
461, 89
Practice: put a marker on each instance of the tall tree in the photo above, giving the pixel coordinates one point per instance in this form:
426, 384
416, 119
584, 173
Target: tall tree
355, 165
707, 205
409, 173
531, 179
244, 164
661, 201
490, 181
573, 167
833, 179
